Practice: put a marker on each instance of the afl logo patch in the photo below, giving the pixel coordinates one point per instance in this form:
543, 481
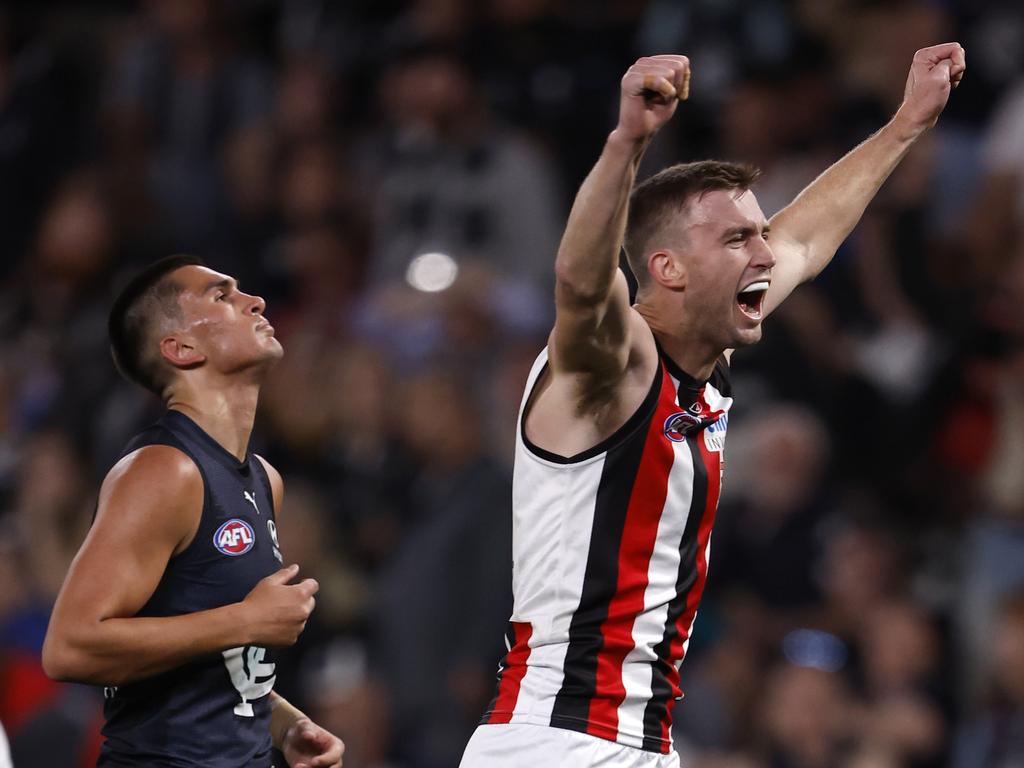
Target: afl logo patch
679, 425
235, 537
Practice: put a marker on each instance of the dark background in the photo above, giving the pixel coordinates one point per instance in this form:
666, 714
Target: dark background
865, 605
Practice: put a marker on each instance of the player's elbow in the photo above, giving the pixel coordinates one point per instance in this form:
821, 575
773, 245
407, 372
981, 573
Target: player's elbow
59, 662
67, 662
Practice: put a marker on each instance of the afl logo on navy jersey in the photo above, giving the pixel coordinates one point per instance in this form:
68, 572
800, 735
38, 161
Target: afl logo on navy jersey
235, 537
679, 425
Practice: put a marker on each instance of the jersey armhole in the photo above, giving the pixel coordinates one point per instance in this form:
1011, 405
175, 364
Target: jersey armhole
267, 485
638, 418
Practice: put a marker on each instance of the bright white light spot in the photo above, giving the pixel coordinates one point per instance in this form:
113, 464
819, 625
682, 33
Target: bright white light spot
432, 272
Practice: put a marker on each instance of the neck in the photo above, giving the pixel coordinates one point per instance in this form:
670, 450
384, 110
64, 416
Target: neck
696, 356
226, 413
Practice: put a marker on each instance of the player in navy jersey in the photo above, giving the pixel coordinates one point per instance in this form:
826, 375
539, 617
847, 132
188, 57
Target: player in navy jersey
621, 435
178, 596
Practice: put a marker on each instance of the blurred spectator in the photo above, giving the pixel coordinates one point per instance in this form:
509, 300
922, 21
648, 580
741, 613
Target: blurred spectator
874, 504
901, 663
765, 542
50, 518
445, 596
42, 93
995, 738
446, 176
860, 569
805, 718
179, 90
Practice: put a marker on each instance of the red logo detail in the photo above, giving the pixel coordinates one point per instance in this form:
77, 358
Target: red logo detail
235, 537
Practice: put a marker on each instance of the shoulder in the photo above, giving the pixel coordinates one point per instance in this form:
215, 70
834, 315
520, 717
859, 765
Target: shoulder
156, 490
157, 467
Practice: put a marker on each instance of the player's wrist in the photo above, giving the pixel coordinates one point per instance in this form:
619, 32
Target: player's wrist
240, 625
621, 141
285, 718
905, 126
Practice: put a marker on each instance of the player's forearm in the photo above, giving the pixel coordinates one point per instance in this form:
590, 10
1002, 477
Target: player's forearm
589, 252
116, 651
827, 210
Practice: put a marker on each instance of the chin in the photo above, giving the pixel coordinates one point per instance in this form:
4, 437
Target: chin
268, 356
747, 337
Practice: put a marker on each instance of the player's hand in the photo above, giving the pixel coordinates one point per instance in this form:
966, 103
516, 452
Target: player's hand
933, 74
651, 90
307, 745
277, 611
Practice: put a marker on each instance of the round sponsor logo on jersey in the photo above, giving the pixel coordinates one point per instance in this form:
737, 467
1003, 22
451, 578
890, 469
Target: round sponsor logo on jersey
235, 537
678, 425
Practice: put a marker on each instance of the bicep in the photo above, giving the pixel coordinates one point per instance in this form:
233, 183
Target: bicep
149, 504
592, 336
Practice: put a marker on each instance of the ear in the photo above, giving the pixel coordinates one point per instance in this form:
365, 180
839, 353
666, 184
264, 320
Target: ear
177, 351
667, 269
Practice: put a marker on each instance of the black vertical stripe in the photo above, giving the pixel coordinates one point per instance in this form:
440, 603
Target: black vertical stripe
661, 689
579, 683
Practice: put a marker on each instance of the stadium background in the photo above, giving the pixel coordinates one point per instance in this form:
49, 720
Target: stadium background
865, 605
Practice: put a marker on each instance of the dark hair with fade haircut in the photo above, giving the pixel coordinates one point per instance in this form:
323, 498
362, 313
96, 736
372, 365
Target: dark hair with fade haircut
664, 194
133, 315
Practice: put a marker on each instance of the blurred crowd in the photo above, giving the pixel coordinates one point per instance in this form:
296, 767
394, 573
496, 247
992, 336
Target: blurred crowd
393, 178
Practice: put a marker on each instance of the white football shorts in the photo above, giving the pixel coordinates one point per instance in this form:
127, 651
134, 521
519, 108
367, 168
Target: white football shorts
520, 745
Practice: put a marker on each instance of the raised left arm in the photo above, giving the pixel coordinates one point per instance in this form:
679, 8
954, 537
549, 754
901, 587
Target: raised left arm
806, 234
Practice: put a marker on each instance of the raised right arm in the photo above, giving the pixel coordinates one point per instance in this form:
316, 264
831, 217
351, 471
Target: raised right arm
592, 316
149, 509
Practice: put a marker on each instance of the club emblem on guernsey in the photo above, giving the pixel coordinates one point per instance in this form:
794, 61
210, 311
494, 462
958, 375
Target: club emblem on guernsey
679, 425
235, 537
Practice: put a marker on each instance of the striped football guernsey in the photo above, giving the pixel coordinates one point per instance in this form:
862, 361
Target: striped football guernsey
610, 556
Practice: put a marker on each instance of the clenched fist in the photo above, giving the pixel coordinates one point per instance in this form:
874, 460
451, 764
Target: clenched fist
651, 89
934, 72
276, 611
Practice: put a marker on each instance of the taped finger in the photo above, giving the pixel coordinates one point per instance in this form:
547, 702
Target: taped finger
659, 84
684, 89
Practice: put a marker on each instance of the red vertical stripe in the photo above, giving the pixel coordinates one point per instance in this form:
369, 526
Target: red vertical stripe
712, 463
512, 674
646, 503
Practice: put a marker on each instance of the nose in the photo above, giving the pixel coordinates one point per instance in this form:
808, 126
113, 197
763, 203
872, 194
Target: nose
257, 305
763, 255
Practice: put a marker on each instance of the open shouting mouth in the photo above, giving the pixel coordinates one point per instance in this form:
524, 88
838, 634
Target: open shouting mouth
751, 299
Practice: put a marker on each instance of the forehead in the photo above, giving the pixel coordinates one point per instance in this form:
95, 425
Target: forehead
196, 279
722, 209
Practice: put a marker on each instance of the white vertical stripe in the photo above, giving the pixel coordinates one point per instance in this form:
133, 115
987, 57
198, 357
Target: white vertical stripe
662, 573
553, 524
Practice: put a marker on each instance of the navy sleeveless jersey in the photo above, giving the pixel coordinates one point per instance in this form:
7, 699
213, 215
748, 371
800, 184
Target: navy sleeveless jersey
214, 711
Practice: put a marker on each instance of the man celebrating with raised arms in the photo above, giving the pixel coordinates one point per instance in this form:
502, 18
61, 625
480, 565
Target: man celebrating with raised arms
623, 422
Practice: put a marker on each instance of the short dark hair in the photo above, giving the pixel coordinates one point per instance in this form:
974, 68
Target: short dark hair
132, 317
665, 193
